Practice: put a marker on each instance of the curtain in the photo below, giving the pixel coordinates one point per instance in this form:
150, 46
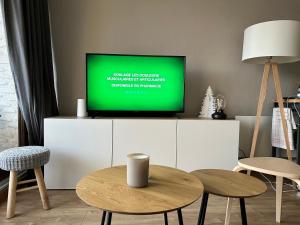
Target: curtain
30, 53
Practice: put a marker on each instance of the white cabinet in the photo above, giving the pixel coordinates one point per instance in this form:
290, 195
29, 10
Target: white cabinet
78, 147
205, 144
155, 137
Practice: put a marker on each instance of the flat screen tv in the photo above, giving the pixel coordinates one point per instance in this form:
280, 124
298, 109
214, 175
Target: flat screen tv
126, 84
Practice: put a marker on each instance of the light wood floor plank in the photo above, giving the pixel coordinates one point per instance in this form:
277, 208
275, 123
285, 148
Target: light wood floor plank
67, 209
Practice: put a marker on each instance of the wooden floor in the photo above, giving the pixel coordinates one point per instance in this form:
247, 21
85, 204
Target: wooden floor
68, 209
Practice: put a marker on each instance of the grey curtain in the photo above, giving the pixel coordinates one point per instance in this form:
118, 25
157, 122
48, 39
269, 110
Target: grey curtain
29, 47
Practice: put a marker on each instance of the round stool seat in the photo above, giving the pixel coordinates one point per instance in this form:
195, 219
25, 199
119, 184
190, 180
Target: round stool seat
229, 183
23, 158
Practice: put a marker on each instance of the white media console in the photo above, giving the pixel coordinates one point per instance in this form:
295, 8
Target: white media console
80, 146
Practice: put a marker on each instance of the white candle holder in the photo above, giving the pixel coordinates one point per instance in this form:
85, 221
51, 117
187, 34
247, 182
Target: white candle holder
81, 108
137, 170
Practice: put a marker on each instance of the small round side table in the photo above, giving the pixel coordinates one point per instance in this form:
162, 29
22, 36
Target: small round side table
169, 189
228, 184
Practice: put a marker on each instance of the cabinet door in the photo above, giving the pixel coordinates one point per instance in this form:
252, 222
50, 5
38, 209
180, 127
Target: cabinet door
77, 147
207, 144
156, 138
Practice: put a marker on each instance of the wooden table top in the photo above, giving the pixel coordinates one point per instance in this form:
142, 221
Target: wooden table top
291, 100
230, 184
272, 165
169, 189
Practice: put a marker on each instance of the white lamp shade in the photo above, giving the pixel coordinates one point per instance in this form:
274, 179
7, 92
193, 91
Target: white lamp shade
273, 41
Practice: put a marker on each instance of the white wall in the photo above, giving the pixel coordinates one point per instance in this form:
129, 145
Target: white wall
208, 32
264, 146
8, 99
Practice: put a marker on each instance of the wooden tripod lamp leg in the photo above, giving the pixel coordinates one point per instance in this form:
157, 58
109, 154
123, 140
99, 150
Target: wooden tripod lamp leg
281, 107
261, 100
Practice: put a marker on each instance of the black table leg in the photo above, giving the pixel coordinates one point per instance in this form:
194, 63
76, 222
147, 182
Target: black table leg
274, 151
103, 218
243, 211
166, 218
109, 218
298, 145
202, 211
180, 220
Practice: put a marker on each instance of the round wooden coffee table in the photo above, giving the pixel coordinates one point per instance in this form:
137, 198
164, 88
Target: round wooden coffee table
228, 184
169, 189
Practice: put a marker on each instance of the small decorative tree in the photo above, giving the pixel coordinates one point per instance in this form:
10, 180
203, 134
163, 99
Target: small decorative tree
208, 104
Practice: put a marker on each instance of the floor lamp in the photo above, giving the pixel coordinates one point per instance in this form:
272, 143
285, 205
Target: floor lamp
271, 43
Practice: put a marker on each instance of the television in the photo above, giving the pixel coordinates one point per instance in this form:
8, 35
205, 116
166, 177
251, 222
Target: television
131, 84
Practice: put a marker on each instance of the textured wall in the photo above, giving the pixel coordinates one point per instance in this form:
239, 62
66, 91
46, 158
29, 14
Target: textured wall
208, 32
8, 99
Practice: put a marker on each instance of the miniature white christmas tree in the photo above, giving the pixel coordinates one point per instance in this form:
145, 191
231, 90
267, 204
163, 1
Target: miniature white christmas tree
208, 104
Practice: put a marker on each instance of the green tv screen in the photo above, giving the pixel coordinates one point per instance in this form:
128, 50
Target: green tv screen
135, 83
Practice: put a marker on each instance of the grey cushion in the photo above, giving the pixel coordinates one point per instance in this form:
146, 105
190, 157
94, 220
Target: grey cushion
23, 158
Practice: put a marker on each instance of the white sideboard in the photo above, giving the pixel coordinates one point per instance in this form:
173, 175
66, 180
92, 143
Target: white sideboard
80, 146
156, 138
207, 144
77, 147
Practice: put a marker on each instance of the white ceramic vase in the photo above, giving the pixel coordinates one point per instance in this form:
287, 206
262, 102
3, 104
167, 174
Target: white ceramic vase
81, 108
137, 170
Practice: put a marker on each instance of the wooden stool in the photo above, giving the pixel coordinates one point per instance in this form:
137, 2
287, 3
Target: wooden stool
19, 159
228, 184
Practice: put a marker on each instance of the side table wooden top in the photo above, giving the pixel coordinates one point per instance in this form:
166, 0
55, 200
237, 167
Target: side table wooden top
230, 184
290, 100
169, 189
272, 165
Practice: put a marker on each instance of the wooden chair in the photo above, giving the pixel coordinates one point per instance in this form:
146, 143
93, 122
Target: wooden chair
281, 168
